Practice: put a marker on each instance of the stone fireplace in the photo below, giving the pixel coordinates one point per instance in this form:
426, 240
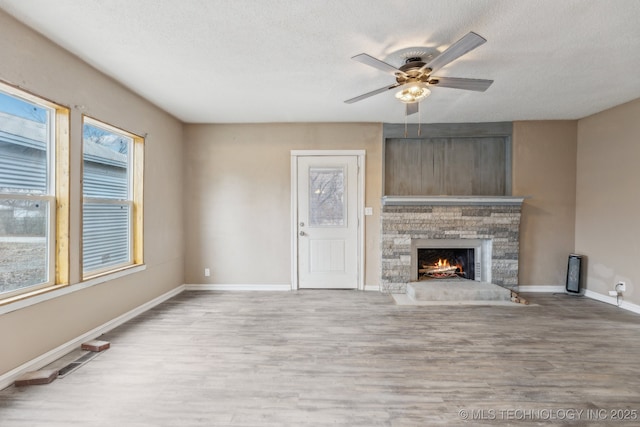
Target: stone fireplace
485, 229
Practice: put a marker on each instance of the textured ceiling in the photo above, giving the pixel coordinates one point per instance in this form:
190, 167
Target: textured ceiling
219, 61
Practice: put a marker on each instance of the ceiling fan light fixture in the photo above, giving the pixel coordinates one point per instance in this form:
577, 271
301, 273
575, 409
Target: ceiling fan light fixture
414, 92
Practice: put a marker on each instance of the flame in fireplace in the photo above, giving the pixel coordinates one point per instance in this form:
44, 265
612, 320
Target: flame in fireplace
444, 264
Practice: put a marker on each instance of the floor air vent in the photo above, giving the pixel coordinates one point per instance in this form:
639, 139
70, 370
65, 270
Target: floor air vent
76, 364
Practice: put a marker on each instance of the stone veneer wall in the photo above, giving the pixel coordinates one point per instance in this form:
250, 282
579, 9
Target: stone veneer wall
400, 224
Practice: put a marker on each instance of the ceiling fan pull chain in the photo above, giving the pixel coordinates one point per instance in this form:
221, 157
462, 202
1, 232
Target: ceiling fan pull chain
419, 120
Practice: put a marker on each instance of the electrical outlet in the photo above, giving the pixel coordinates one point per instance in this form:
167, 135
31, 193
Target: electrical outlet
621, 287
207, 272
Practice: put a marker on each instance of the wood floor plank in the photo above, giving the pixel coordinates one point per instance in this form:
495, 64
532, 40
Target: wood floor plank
346, 358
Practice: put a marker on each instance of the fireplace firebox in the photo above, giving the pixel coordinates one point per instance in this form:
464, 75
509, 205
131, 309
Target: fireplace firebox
446, 263
453, 258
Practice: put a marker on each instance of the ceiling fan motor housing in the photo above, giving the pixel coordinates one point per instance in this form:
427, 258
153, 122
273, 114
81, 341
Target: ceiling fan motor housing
412, 71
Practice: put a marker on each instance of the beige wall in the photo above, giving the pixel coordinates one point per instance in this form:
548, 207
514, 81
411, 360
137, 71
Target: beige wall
608, 199
544, 168
37, 65
239, 201
238, 197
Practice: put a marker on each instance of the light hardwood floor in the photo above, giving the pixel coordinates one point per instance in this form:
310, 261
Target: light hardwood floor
347, 358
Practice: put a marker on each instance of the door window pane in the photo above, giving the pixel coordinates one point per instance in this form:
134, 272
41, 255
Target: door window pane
326, 197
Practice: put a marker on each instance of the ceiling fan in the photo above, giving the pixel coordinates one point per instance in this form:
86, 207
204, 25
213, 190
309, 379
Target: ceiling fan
415, 77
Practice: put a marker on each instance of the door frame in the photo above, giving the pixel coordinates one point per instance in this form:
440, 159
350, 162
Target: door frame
360, 154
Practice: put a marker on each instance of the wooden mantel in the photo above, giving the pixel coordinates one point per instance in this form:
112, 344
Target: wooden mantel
451, 200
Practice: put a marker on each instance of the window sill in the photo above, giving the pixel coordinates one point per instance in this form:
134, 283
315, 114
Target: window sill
25, 300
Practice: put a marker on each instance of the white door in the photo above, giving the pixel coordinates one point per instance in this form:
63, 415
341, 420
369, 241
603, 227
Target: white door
327, 222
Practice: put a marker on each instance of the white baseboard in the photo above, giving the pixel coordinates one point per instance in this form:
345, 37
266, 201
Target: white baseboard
548, 289
587, 293
9, 378
612, 300
239, 287
253, 287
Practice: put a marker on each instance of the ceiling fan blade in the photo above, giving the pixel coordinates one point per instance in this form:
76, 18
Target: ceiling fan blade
376, 63
479, 85
455, 51
373, 92
412, 108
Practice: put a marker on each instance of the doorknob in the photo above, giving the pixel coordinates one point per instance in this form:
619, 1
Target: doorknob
302, 233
